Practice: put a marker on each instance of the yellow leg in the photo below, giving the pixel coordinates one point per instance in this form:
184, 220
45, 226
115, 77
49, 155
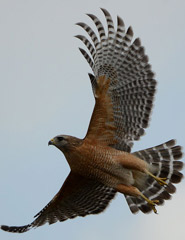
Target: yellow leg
133, 191
161, 181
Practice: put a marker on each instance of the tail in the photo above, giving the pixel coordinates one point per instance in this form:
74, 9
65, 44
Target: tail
164, 157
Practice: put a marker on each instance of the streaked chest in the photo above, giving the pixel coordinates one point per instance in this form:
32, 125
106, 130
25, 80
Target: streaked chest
98, 162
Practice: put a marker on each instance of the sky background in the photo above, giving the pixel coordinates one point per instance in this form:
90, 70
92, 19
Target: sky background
45, 91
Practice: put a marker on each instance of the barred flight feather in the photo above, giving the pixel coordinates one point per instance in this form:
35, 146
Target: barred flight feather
86, 197
132, 86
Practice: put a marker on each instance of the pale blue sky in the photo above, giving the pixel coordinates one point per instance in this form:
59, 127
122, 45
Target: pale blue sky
45, 91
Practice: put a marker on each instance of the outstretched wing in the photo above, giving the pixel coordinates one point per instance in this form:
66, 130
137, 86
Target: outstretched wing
78, 196
122, 83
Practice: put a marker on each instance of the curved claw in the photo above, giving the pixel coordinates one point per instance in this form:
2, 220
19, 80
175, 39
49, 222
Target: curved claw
160, 180
152, 204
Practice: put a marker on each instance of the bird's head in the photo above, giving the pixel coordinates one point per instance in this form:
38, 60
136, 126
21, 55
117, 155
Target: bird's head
64, 142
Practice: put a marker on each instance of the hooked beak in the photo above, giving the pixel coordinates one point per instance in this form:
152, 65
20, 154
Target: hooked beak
51, 142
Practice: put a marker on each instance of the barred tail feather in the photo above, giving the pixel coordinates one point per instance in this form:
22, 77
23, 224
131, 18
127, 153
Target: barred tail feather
164, 158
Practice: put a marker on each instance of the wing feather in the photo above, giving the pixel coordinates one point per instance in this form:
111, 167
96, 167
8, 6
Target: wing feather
127, 102
78, 196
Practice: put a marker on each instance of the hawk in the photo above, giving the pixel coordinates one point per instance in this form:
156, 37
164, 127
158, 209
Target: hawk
102, 164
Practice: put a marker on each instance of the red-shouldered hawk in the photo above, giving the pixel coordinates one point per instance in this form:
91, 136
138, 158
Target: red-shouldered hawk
101, 164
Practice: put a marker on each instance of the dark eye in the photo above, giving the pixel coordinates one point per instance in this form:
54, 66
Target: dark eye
60, 138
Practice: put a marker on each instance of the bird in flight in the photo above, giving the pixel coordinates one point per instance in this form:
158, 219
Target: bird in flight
102, 163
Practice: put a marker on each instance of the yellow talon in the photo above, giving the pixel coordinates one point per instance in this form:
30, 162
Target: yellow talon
151, 203
161, 181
